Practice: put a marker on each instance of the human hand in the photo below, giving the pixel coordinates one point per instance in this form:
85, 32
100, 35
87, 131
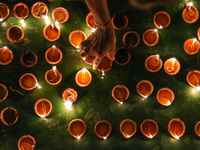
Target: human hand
100, 43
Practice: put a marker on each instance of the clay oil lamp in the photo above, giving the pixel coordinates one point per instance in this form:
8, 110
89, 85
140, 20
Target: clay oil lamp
190, 14
90, 21
119, 21
6, 56
145, 88
128, 128
21, 10
172, 66
51, 32
53, 55
193, 79
4, 11
9, 116
43, 107
191, 46
165, 96
150, 37
60, 15
83, 77
149, 128
53, 76
105, 65
153, 63
28, 81
103, 129
176, 128
28, 58
39, 10
76, 37
77, 128
197, 128
122, 56
131, 39
69, 96
15, 34
26, 142
120, 93
3, 92
161, 19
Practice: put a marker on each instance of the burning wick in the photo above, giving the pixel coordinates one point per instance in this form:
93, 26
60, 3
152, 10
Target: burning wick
176, 136
192, 45
190, 13
161, 26
155, 30
54, 70
148, 129
78, 50
93, 29
1, 19
68, 104
168, 101
37, 84
57, 22
104, 137
197, 82
103, 74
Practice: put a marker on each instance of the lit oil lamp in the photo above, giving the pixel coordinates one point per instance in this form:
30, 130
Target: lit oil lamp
161, 19
83, 77
176, 128
77, 128
76, 37
145, 88
105, 65
28, 59
21, 10
28, 81
153, 63
120, 21
6, 56
197, 128
3, 92
43, 107
191, 46
90, 21
190, 14
172, 66
4, 11
149, 128
165, 96
53, 76
53, 55
193, 79
122, 56
131, 39
60, 15
150, 37
39, 10
9, 116
69, 96
120, 93
15, 34
51, 32
128, 128
26, 142
103, 129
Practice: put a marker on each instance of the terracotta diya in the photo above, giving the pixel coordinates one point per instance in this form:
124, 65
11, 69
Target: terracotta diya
39, 9
197, 128
150, 37
103, 129
145, 88
149, 128
4, 11
131, 39
165, 96
77, 128
122, 56
172, 66
176, 128
128, 128
15, 34
28, 58
6, 56
76, 37
120, 93
83, 77
191, 46
60, 15
9, 116
105, 64
43, 107
161, 19
51, 32
119, 21
26, 142
69, 96
193, 78
3, 92
153, 63
90, 21
28, 81
21, 10
53, 55
190, 14
53, 76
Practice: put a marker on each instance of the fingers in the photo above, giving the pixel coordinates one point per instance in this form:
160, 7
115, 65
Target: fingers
96, 62
84, 44
111, 55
